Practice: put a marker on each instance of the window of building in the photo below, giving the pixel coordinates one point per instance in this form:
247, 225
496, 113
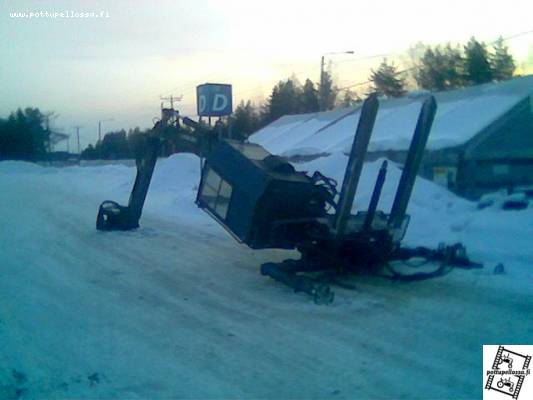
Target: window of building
500, 169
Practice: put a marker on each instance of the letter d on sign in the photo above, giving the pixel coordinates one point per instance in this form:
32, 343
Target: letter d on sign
201, 103
220, 102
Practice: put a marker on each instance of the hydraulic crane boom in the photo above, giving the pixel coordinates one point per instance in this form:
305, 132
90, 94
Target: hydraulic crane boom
113, 216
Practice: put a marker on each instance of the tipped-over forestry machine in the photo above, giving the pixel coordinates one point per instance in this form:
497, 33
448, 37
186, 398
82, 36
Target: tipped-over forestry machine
263, 202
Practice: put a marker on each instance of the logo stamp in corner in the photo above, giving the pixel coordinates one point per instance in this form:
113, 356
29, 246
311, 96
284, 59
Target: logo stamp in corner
506, 372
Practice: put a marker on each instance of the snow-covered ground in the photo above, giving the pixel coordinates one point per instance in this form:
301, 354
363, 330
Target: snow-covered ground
178, 309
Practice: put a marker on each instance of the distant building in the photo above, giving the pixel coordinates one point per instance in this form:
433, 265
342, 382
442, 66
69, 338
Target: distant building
481, 141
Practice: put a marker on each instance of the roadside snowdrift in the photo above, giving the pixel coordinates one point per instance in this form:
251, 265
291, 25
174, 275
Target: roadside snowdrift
177, 309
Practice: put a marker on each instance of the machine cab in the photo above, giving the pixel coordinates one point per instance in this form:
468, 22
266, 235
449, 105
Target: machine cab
259, 198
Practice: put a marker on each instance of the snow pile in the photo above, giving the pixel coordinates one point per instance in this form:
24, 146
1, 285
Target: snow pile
491, 235
178, 309
437, 215
433, 208
461, 114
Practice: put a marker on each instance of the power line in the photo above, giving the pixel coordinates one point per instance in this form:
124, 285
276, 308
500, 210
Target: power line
505, 39
384, 55
514, 36
189, 87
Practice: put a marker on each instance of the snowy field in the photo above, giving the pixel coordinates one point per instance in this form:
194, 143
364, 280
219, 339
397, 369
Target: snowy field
177, 309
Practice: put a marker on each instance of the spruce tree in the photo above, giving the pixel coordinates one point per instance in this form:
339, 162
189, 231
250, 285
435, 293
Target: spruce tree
501, 62
327, 92
244, 120
349, 99
309, 100
440, 69
387, 80
454, 67
428, 73
477, 66
285, 99
24, 135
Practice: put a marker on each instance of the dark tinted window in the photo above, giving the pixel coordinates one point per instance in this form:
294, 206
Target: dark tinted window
216, 193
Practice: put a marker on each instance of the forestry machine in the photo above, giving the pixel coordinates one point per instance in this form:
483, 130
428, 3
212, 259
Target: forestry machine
263, 202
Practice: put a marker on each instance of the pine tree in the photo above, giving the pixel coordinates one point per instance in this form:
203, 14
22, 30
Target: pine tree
349, 99
501, 62
23, 136
327, 92
387, 80
244, 120
454, 67
309, 100
114, 146
440, 69
428, 73
285, 99
477, 66
136, 142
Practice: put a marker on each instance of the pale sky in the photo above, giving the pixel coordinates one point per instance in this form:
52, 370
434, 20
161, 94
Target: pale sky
86, 69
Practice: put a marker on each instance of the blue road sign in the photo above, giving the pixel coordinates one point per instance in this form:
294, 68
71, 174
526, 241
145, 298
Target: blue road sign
214, 100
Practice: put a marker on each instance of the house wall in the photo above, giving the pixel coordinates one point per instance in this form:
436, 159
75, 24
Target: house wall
509, 137
501, 156
485, 176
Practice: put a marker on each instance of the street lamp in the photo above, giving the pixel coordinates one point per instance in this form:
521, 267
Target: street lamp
100, 127
321, 94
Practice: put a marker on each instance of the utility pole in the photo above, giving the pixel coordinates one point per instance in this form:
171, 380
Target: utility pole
321, 103
47, 127
321, 84
78, 137
100, 127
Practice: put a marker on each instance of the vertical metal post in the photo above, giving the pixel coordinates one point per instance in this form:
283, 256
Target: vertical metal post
218, 124
355, 162
320, 89
230, 128
372, 207
412, 163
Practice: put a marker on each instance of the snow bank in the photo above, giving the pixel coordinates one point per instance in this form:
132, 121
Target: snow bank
12, 167
429, 200
437, 215
491, 235
177, 309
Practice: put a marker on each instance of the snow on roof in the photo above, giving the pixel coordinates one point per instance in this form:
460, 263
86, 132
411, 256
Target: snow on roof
461, 115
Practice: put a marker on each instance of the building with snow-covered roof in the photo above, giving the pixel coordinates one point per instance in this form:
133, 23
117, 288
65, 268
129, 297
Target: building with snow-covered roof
481, 140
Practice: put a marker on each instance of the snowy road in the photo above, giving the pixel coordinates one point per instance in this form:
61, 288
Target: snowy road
178, 309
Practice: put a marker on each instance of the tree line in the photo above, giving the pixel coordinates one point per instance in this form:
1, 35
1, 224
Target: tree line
436, 68
23, 134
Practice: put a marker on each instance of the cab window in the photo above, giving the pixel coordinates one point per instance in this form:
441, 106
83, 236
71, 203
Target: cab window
216, 193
